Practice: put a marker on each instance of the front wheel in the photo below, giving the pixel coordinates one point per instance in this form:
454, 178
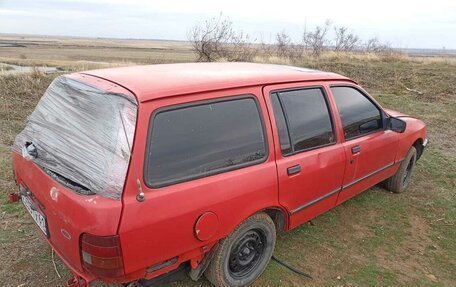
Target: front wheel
243, 255
400, 181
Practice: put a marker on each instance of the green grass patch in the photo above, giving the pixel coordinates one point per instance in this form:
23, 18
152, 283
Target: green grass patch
372, 275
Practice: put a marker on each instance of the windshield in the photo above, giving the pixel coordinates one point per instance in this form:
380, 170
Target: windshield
81, 136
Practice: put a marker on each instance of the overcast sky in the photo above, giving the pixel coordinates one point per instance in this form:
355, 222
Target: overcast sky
406, 24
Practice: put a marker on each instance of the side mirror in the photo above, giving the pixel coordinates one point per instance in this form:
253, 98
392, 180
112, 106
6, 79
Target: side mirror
397, 125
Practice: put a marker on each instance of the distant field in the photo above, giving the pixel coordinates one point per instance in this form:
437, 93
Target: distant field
87, 53
375, 239
81, 53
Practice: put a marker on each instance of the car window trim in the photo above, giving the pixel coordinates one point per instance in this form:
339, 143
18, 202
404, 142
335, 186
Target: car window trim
330, 112
370, 99
172, 107
287, 130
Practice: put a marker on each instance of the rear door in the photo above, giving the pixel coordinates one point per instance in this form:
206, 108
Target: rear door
370, 148
310, 158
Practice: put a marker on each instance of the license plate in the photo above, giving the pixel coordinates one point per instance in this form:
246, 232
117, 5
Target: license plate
36, 214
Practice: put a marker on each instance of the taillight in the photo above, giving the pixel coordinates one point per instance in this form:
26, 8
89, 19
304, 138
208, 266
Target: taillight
101, 255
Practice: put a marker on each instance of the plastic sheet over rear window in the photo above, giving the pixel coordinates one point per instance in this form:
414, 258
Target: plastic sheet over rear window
81, 136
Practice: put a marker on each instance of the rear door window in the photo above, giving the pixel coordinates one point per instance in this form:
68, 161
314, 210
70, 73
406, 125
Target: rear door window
189, 142
358, 114
303, 120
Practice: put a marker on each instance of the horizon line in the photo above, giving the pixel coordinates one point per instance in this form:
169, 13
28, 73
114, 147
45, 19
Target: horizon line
185, 41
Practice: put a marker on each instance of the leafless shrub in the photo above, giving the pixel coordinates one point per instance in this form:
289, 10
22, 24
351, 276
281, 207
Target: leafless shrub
286, 48
216, 39
345, 40
373, 45
241, 48
316, 41
283, 43
208, 40
267, 50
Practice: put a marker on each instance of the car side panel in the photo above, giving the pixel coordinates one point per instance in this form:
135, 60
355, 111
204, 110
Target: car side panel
377, 154
375, 159
162, 226
415, 131
314, 189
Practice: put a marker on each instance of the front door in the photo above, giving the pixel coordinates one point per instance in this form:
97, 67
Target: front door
370, 148
310, 159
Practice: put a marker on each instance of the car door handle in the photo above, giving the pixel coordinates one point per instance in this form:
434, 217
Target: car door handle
356, 149
294, 169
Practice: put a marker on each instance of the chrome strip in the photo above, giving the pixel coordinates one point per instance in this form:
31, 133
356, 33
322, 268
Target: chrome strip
369, 175
343, 187
315, 200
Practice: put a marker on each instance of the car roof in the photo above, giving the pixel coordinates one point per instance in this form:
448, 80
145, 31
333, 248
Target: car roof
158, 81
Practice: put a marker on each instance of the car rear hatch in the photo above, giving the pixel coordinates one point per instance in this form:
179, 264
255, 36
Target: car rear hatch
71, 161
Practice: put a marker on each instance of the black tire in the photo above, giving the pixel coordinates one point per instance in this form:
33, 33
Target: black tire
401, 180
243, 255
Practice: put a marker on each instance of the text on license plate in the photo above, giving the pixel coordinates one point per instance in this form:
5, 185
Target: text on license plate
36, 215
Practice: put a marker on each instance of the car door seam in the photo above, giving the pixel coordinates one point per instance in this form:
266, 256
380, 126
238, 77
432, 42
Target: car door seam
300, 208
315, 200
368, 175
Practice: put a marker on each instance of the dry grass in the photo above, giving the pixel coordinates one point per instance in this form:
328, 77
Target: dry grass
4, 67
375, 239
81, 54
359, 57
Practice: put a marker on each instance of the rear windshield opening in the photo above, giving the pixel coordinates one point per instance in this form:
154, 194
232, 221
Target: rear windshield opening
82, 136
68, 182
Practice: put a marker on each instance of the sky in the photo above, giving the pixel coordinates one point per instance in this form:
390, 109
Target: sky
403, 24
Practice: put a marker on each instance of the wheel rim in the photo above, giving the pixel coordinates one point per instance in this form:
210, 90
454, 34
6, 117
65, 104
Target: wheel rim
408, 172
247, 253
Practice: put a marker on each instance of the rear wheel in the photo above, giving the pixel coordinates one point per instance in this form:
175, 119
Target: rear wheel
243, 255
401, 180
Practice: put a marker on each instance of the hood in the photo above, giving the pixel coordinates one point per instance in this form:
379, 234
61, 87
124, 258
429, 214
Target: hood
397, 114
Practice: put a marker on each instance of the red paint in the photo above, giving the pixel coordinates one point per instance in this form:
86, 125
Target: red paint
206, 226
76, 281
13, 197
186, 220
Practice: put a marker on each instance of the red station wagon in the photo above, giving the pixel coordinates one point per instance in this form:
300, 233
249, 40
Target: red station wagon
135, 173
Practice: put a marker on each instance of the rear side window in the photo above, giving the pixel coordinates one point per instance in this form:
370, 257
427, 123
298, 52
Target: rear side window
358, 114
195, 141
307, 118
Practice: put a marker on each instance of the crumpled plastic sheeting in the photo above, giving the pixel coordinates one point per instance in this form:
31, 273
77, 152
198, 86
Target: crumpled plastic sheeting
82, 134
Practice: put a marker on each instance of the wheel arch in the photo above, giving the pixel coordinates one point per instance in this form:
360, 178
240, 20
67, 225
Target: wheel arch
279, 217
414, 136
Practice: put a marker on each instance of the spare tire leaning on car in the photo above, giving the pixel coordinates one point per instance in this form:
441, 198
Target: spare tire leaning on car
400, 180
